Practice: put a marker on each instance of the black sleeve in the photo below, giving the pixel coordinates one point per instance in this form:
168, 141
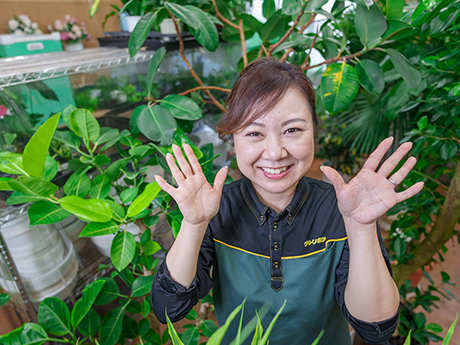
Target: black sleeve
173, 297
369, 332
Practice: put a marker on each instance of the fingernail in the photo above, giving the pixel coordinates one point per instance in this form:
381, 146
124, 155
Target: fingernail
321, 168
391, 138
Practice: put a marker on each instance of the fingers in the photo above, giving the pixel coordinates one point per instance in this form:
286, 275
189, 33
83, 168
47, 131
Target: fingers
389, 165
335, 178
175, 172
196, 166
376, 157
220, 179
401, 174
165, 185
410, 192
183, 164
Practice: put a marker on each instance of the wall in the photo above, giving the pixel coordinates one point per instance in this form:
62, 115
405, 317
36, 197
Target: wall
45, 12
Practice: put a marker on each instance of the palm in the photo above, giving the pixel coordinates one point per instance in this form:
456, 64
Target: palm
370, 194
197, 199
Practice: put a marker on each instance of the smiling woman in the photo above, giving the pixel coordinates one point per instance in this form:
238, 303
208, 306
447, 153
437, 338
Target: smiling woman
277, 236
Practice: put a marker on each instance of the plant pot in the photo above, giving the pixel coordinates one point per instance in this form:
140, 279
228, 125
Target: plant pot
167, 27
73, 47
131, 22
104, 242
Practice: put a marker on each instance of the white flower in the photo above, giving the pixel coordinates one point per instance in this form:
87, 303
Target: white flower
34, 25
76, 30
12, 24
25, 19
58, 25
18, 32
72, 36
38, 32
67, 17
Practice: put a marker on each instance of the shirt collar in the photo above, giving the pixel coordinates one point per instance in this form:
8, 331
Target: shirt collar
262, 212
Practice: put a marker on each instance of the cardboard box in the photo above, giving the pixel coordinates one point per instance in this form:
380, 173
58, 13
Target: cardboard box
16, 45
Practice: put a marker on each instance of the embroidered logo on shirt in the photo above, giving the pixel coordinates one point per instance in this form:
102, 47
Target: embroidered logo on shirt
315, 241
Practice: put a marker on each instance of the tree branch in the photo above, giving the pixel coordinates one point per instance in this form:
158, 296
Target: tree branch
243, 44
190, 68
222, 18
441, 232
291, 29
307, 24
306, 63
338, 58
204, 88
286, 54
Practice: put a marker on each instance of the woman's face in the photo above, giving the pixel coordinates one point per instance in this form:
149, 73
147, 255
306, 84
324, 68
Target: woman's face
277, 149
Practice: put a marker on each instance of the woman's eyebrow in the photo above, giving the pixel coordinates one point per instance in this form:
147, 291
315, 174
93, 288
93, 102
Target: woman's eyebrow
284, 123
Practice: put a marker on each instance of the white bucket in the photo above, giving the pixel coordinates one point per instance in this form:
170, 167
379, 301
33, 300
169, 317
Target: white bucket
104, 242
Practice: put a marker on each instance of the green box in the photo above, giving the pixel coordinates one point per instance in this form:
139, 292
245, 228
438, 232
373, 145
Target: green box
16, 45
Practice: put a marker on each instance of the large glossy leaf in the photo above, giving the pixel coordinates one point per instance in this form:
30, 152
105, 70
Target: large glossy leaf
32, 334
397, 29
208, 327
172, 332
4, 183
144, 199
99, 229
339, 87
395, 9
11, 163
151, 247
408, 72
153, 67
290, 7
191, 336
264, 339
109, 292
90, 324
84, 304
122, 250
112, 324
84, 125
370, 76
370, 24
129, 195
206, 32
251, 22
106, 134
36, 150
33, 186
187, 16
78, 184
218, 335
182, 107
316, 4
157, 124
273, 28
45, 212
142, 286
118, 211
268, 8
54, 316
141, 31
100, 187
133, 128
114, 171
66, 114
130, 327
51, 168
20, 198
88, 210
111, 142
68, 138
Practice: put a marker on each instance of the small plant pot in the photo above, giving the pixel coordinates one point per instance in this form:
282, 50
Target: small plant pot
167, 27
73, 47
131, 22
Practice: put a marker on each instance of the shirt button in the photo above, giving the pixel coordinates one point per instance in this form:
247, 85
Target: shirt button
275, 226
275, 245
276, 265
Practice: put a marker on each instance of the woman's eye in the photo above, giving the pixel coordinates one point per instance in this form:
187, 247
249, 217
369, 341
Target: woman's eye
253, 134
293, 130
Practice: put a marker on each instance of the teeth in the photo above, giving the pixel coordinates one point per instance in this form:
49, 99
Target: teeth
274, 171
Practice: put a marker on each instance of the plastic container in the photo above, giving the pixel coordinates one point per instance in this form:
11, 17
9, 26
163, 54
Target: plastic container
16, 45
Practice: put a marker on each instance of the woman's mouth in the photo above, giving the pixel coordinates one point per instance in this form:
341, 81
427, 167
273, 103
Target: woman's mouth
276, 171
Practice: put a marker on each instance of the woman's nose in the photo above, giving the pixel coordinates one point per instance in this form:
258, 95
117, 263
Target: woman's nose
274, 149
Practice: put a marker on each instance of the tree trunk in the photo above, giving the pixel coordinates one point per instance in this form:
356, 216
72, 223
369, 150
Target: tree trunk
441, 232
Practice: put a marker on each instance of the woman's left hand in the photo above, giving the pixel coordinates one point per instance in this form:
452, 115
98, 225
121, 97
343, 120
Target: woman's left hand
371, 193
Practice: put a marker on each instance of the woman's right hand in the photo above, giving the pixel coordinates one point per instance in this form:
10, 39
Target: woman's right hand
197, 200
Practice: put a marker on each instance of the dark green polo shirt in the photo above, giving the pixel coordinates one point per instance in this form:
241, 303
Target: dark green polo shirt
299, 255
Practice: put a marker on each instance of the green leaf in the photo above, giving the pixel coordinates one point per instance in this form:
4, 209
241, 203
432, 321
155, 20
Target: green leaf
118, 211
114, 171
45, 212
370, 76
109, 292
218, 335
54, 316
141, 31
157, 124
99, 229
272, 28
420, 320
313, 5
339, 87
100, 187
370, 24
182, 107
448, 150
187, 16
399, 246
318, 338
144, 199
290, 7
4, 183
421, 124
141, 152
144, 326
78, 184
153, 67
36, 150
258, 332
455, 90
107, 133
434, 327
146, 307
32, 334
272, 323
408, 72
84, 304
93, 8
66, 114
20, 198
84, 125
33, 186
122, 250
206, 32
191, 336
51, 168
11, 163
124, 133
142, 286
268, 8
132, 306
394, 9
130, 328
397, 29
4, 299
112, 324
450, 332
208, 327
445, 277
129, 195
90, 324
172, 332
250, 22
151, 248
133, 127
407, 342
67, 138
88, 210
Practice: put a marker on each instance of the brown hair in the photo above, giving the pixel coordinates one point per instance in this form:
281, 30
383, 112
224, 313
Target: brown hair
258, 89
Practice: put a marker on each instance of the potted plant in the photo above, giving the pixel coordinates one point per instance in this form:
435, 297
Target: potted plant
72, 33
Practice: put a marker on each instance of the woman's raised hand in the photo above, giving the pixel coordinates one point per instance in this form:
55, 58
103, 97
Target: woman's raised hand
371, 193
197, 199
